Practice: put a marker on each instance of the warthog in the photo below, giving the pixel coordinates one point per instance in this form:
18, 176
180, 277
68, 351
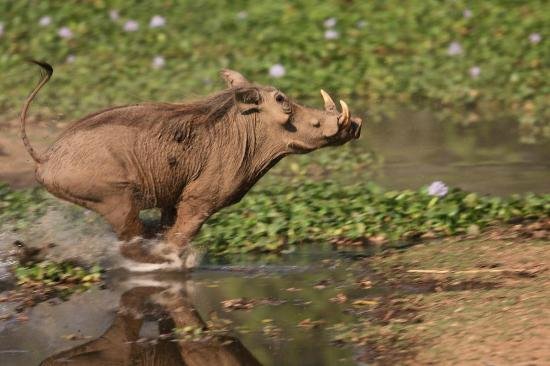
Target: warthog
188, 159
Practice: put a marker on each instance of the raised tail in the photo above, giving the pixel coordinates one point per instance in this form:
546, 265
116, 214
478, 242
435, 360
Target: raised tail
46, 72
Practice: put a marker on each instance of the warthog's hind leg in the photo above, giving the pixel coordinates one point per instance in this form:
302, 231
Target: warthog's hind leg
122, 213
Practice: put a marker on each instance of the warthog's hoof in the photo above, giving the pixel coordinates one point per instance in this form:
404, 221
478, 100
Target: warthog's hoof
150, 255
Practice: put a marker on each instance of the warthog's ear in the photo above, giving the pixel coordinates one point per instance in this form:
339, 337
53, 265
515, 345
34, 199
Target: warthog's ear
233, 78
247, 100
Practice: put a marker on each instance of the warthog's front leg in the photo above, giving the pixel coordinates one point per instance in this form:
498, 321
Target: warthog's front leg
191, 214
173, 250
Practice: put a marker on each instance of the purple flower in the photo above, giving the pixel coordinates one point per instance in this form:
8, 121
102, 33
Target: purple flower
242, 15
70, 59
329, 23
158, 62
438, 189
157, 21
131, 26
65, 32
45, 21
454, 49
361, 24
535, 38
114, 15
474, 72
467, 13
331, 34
277, 71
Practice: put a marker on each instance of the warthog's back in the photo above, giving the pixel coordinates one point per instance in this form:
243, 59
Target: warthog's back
122, 146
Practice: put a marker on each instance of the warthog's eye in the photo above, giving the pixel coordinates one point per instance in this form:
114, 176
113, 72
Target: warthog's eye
280, 98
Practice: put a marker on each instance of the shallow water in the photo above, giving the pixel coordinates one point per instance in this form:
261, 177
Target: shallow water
485, 157
283, 290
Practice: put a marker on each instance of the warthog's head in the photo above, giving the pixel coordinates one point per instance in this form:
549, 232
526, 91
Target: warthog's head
300, 128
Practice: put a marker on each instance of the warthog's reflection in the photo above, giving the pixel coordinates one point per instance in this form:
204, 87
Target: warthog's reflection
172, 309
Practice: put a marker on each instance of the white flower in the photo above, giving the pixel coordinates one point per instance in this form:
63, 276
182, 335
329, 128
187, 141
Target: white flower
157, 21
1, 29
70, 59
131, 26
474, 72
65, 32
331, 34
114, 15
242, 15
277, 71
535, 38
329, 23
438, 189
467, 13
158, 62
454, 49
45, 21
361, 24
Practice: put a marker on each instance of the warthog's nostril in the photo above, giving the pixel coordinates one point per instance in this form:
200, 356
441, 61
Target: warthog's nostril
315, 122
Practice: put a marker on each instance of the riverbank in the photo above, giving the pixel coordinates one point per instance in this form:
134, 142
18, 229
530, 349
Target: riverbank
472, 302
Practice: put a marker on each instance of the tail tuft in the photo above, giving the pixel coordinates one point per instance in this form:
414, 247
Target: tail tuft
47, 69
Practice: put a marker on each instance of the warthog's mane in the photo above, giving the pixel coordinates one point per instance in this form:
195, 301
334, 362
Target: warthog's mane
209, 110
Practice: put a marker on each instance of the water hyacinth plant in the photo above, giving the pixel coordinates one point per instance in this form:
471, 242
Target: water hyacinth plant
65, 32
45, 21
535, 38
474, 72
329, 23
157, 21
379, 59
114, 15
454, 49
331, 34
131, 26
273, 217
158, 62
277, 71
438, 189
276, 217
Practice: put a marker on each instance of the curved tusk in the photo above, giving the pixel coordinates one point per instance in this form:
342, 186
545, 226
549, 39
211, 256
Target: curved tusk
330, 106
345, 113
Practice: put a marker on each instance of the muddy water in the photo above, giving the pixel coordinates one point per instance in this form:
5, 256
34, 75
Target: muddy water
484, 157
281, 293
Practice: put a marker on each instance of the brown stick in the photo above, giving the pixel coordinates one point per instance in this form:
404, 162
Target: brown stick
471, 271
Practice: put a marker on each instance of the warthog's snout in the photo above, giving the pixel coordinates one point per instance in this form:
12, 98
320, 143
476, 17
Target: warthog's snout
344, 127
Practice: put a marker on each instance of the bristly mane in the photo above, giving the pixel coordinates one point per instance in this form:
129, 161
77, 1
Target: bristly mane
209, 110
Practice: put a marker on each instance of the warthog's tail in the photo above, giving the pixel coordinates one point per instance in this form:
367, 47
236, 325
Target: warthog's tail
47, 71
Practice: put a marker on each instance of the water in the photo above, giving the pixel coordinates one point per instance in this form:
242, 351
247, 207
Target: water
486, 157
133, 307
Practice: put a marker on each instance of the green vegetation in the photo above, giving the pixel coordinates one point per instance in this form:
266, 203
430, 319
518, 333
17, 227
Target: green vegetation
43, 280
52, 273
275, 217
456, 54
19, 207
